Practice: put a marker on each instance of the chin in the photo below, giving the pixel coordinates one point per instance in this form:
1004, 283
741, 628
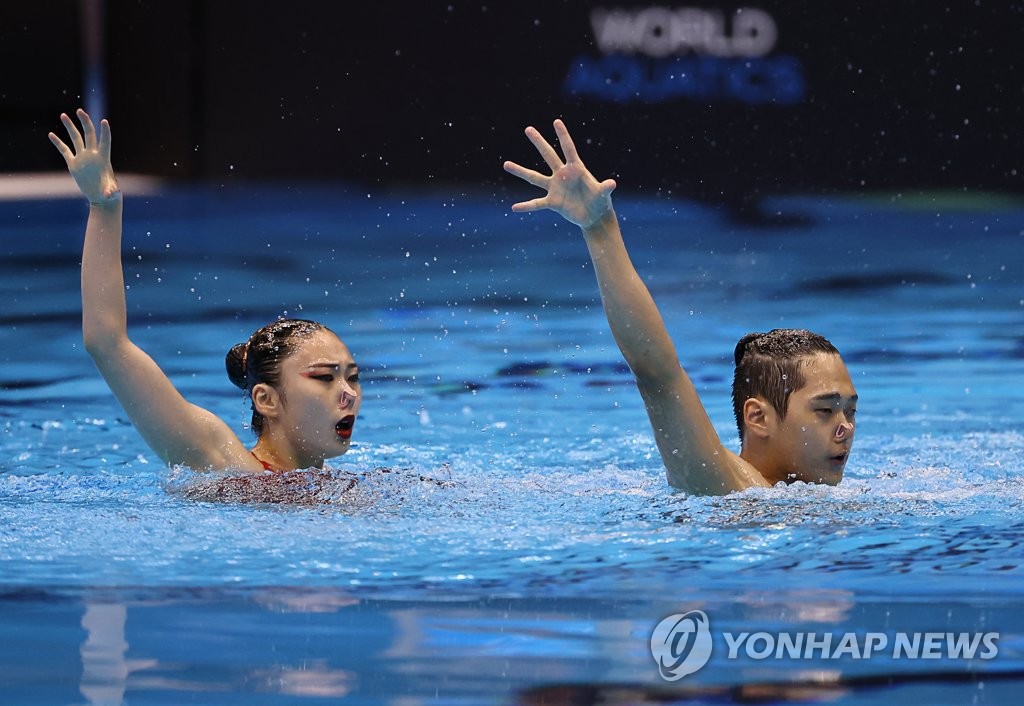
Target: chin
830, 477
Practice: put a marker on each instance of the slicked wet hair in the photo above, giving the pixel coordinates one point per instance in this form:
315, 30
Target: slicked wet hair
259, 359
769, 365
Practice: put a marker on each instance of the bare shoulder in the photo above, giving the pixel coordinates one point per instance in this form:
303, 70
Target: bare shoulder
725, 473
202, 441
694, 457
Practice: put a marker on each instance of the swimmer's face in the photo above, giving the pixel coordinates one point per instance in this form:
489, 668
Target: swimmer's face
320, 396
815, 438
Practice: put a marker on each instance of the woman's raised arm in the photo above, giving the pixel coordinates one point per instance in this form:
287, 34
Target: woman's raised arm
179, 432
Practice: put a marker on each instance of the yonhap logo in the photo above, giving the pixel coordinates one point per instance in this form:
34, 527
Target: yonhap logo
681, 644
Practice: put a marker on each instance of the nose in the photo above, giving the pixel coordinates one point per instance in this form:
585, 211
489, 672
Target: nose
844, 430
348, 398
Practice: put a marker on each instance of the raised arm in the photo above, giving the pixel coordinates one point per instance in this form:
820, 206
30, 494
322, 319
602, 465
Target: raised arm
691, 450
177, 431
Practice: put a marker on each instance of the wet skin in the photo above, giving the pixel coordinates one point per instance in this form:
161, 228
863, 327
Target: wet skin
812, 443
318, 398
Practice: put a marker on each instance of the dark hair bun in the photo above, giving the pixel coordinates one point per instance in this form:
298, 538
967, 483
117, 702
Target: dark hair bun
234, 361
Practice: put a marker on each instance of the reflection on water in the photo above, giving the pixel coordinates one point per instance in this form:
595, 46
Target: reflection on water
819, 687
108, 674
104, 667
284, 646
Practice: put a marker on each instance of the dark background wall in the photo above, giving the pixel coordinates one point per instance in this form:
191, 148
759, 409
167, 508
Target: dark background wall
868, 95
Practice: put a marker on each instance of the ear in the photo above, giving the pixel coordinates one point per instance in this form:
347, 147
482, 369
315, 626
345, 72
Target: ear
265, 400
758, 417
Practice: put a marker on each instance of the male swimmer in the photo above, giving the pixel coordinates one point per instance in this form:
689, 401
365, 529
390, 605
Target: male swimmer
793, 398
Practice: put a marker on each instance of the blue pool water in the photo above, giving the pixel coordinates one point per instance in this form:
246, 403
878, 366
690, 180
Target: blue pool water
524, 544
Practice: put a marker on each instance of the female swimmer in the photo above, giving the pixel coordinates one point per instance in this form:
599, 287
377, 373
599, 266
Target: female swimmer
302, 380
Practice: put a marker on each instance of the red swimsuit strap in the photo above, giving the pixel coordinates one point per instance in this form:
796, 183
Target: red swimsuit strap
266, 466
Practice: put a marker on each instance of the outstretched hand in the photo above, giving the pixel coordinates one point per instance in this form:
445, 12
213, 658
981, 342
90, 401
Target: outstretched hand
89, 161
572, 191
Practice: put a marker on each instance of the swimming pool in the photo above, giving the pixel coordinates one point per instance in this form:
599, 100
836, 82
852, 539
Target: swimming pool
537, 571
